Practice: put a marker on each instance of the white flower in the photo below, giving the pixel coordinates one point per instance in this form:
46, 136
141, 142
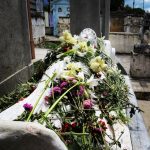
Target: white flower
81, 54
55, 120
80, 75
92, 82
67, 59
65, 108
44, 107
97, 111
58, 56
76, 37
102, 76
92, 94
113, 113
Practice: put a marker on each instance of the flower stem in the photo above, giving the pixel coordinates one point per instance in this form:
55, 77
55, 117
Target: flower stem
74, 133
47, 83
57, 101
84, 138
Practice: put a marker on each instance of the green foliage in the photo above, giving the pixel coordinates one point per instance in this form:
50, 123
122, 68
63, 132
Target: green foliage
116, 5
22, 91
137, 11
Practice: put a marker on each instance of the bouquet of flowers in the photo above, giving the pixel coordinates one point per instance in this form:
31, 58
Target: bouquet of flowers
84, 95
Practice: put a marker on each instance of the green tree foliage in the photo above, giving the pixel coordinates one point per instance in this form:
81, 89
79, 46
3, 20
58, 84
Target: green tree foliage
117, 5
130, 10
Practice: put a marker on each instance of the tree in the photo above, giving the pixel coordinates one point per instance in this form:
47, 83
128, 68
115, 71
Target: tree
137, 11
116, 5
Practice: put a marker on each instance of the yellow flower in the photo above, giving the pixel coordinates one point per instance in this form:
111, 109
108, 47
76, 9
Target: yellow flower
83, 46
73, 66
97, 64
67, 37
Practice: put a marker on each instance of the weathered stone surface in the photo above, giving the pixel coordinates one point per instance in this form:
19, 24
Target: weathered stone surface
81, 16
138, 132
140, 61
15, 53
142, 49
15, 135
18, 77
38, 29
124, 42
133, 24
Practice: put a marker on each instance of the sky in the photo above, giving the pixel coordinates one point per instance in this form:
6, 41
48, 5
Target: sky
139, 4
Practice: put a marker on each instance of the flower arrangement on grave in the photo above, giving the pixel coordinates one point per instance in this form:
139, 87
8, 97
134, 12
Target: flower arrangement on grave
86, 95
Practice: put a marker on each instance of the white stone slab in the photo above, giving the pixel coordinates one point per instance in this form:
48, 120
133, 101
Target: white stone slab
16, 135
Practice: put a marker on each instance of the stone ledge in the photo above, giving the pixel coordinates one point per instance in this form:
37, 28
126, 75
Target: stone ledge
21, 76
138, 132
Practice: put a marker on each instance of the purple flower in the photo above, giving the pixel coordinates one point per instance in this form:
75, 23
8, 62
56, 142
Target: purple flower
87, 104
28, 107
55, 90
63, 84
81, 91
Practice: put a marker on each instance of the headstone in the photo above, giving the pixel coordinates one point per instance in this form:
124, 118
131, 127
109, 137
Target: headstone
105, 17
92, 14
15, 53
85, 14
140, 61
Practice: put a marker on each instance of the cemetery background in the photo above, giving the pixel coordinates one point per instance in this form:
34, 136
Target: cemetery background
40, 54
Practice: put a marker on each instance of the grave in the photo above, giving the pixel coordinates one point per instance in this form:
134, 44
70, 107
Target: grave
27, 132
140, 61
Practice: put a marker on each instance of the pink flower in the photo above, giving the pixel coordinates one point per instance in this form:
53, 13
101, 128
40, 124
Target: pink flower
87, 104
81, 91
55, 90
28, 107
103, 125
63, 84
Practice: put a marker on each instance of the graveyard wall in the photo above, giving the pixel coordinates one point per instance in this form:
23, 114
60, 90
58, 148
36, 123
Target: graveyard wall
15, 53
38, 30
133, 24
123, 42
